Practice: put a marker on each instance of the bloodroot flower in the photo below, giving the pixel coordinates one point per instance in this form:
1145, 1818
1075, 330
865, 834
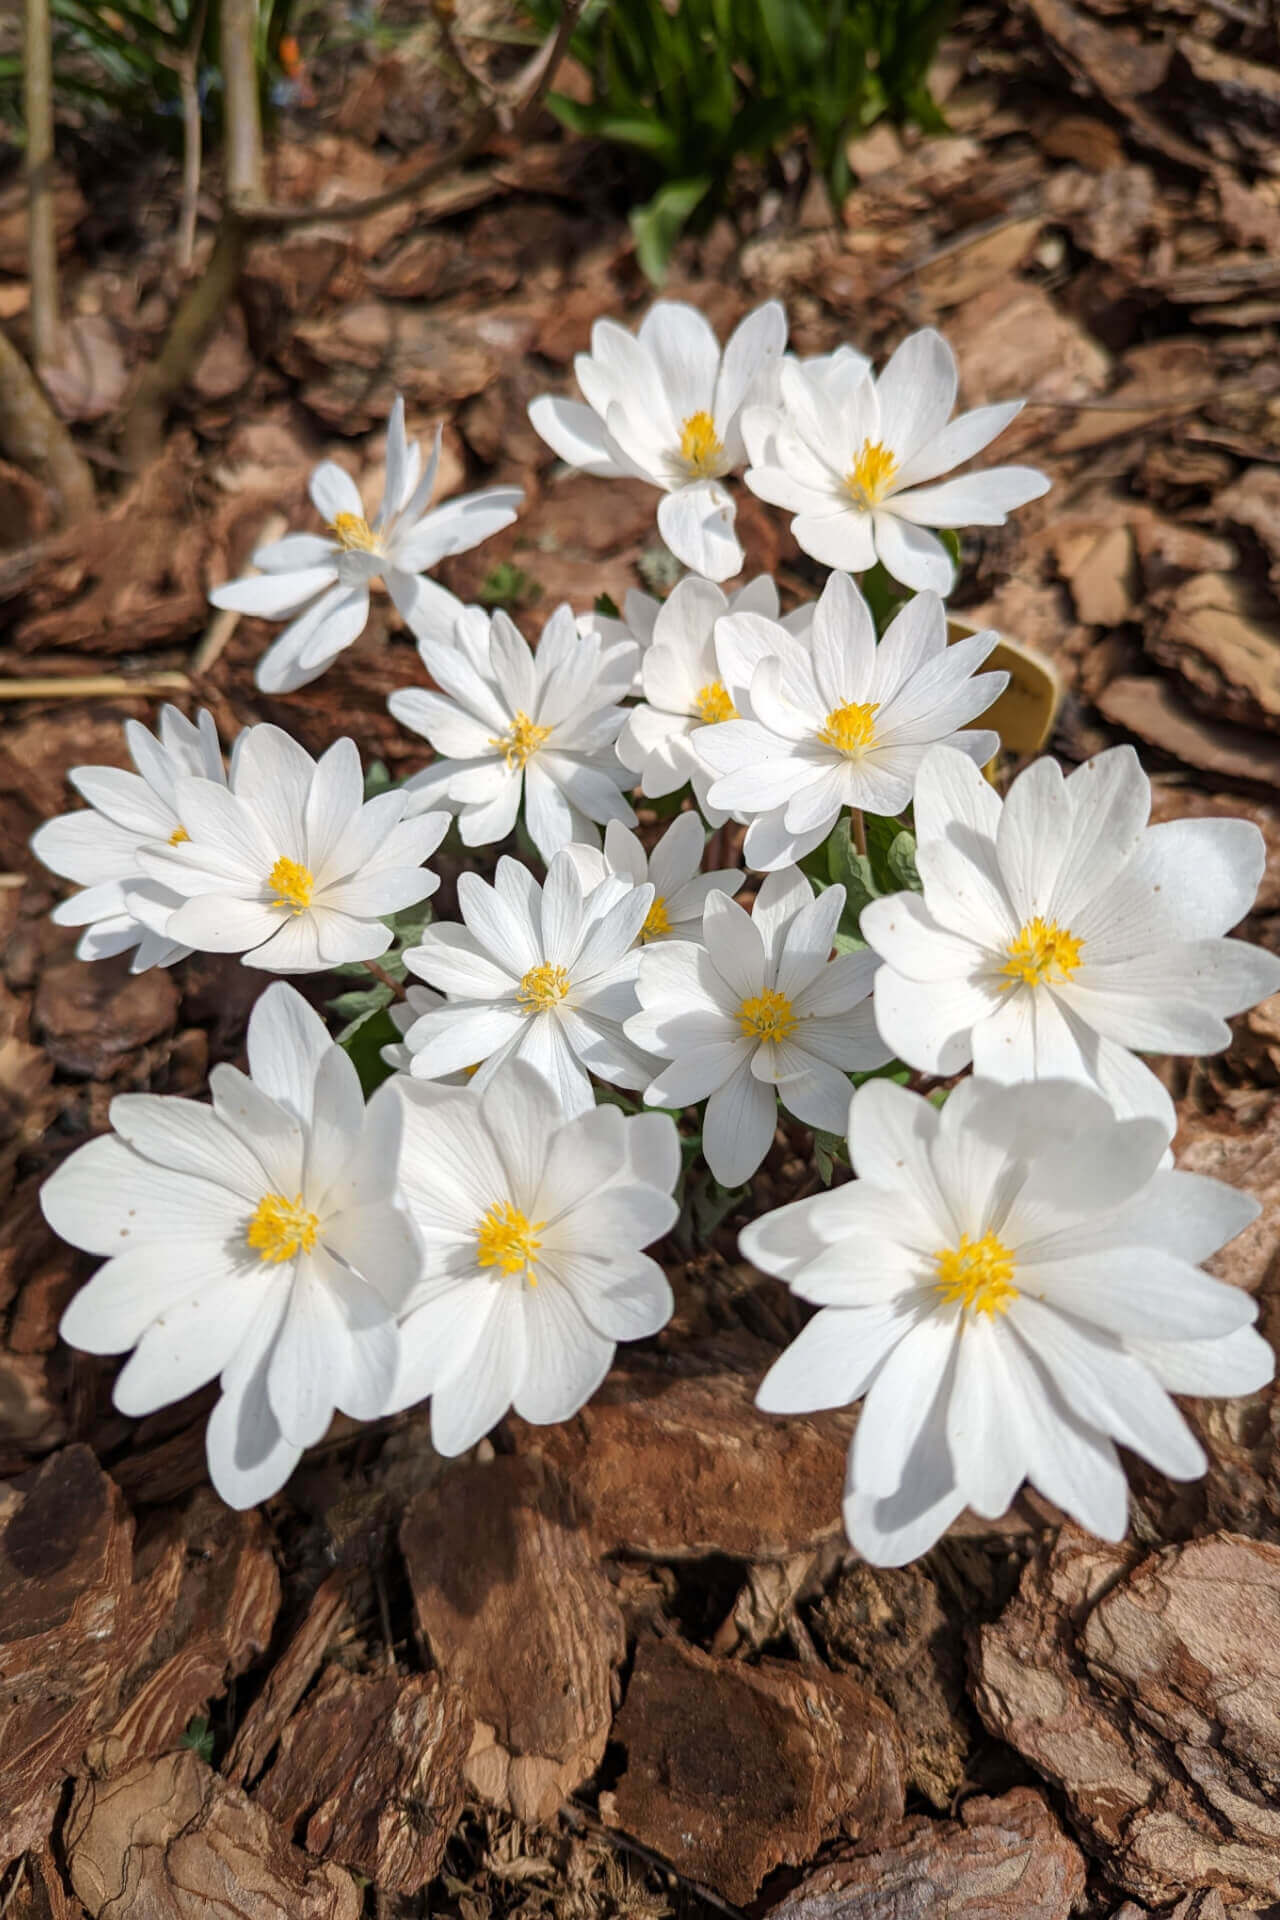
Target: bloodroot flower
532, 1226
674, 871
1058, 930
514, 722
290, 867
756, 1012
1012, 1287
541, 974
836, 719
321, 582
851, 457
257, 1241
98, 846
665, 405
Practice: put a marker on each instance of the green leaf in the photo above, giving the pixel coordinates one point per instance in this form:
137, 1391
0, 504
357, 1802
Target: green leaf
198, 1735
351, 1008
829, 1152
364, 1040
901, 861
658, 225
508, 586
852, 871
608, 606
377, 779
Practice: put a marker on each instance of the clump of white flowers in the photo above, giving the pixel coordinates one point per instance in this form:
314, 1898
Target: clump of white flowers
1011, 1283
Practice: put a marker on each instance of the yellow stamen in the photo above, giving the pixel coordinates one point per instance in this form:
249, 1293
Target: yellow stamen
712, 704
177, 837
766, 1016
281, 1227
355, 534
1043, 952
507, 1239
542, 988
520, 741
293, 885
657, 921
872, 471
850, 729
977, 1275
701, 449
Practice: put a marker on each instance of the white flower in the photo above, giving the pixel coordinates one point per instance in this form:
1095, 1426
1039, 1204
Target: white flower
97, 846
850, 456
289, 867
680, 682
665, 405
257, 1240
543, 974
532, 1225
322, 585
758, 1013
1058, 930
516, 721
1013, 1284
836, 719
673, 869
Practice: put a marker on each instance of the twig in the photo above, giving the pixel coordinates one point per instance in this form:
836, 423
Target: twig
92, 686
195, 321
188, 67
32, 435
384, 979
226, 619
13, 1885
858, 830
241, 120
42, 227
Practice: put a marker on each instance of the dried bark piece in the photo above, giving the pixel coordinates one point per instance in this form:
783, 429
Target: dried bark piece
93, 1012
679, 1464
735, 1770
70, 1629
374, 1766
288, 1680
1159, 715
169, 1839
1219, 634
518, 1615
40, 1893
1146, 1692
212, 1592
1003, 1859
887, 1626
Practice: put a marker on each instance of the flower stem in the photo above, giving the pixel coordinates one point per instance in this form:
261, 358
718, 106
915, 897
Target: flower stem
381, 975
858, 830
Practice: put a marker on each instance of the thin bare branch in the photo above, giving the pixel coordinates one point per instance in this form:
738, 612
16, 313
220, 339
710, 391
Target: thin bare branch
241, 119
42, 230
92, 686
32, 435
188, 68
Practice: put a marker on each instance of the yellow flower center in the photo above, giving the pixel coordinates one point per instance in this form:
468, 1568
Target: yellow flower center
868, 480
292, 885
507, 1239
767, 1016
1042, 952
850, 729
542, 988
177, 837
657, 921
354, 534
977, 1275
281, 1227
520, 741
701, 449
712, 704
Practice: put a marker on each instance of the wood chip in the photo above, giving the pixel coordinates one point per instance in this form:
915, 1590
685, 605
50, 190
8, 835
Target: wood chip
680, 1463
169, 1839
1004, 1859
288, 1680
518, 1615
1144, 1689
792, 1754
1154, 711
370, 1772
